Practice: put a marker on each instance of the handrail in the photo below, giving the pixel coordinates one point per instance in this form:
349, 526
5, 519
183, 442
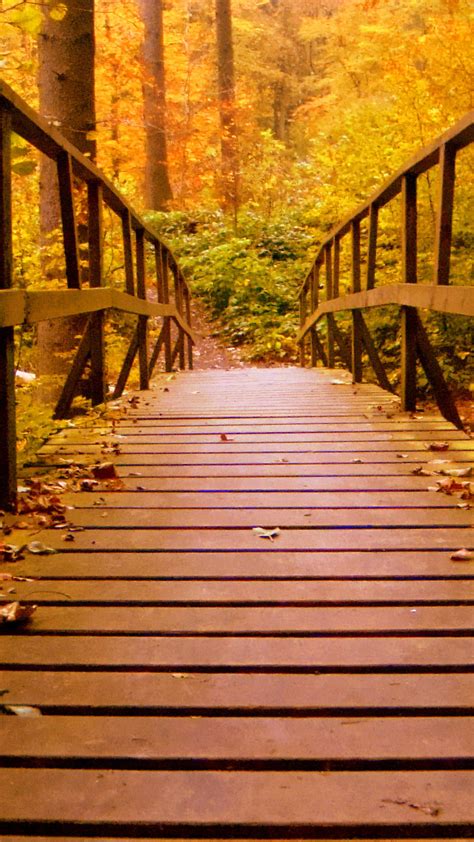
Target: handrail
18, 306
436, 297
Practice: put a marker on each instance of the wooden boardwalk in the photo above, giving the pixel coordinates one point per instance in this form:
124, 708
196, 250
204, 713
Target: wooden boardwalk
198, 679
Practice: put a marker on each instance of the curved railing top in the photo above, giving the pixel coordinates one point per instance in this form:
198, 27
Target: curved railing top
455, 138
36, 130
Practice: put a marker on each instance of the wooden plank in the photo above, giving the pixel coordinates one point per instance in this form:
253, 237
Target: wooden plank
253, 620
263, 562
323, 448
344, 801
244, 539
226, 664
230, 518
253, 592
247, 499
210, 742
402, 690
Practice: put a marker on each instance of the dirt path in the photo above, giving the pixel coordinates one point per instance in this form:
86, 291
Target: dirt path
211, 351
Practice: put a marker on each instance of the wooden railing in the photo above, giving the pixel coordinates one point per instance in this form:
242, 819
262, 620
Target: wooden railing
406, 295
27, 307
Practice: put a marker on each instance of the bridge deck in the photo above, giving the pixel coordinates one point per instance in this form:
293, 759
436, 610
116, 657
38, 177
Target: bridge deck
196, 678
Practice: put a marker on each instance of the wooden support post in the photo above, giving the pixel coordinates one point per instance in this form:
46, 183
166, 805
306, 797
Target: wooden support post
156, 353
356, 323
336, 267
68, 219
128, 253
187, 306
178, 300
142, 326
329, 295
303, 317
344, 349
70, 387
8, 468
96, 279
314, 292
127, 365
444, 226
373, 356
435, 376
372, 246
166, 299
409, 276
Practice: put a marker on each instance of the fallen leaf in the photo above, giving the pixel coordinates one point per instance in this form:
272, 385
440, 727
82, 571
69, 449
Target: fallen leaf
339, 382
22, 710
224, 437
38, 548
421, 472
15, 612
105, 470
462, 555
437, 445
402, 455
456, 472
266, 533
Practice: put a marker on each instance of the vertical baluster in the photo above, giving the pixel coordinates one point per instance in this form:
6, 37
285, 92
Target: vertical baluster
187, 305
444, 226
372, 246
336, 267
409, 276
329, 295
356, 316
96, 279
142, 320
8, 469
178, 301
166, 300
68, 219
303, 317
128, 253
314, 306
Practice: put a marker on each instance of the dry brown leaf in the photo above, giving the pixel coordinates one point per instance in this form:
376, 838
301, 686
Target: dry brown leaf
105, 470
462, 555
15, 612
437, 445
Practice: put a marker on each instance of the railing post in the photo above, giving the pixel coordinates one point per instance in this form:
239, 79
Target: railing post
303, 317
128, 252
314, 301
409, 276
187, 306
356, 316
372, 245
444, 226
166, 300
96, 279
68, 218
329, 295
8, 469
178, 301
142, 327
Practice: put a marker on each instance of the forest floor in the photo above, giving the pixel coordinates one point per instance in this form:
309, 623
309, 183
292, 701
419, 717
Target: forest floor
210, 350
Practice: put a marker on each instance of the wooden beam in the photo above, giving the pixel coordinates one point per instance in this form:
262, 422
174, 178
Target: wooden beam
314, 294
96, 280
356, 351
442, 299
68, 220
8, 467
444, 225
372, 246
329, 295
155, 353
166, 298
435, 376
373, 356
142, 320
128, 253
303, 316
187, 307
126, 365
69, 389
409, 276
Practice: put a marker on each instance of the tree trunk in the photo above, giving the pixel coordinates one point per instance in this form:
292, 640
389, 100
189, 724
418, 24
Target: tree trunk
226, 90
157, 185
66, 86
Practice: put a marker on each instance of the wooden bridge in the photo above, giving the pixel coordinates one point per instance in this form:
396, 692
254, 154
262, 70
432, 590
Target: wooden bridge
261, 628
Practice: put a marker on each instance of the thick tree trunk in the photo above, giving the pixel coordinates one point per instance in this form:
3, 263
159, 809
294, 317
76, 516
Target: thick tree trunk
157, 185
66, 87
226, 89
